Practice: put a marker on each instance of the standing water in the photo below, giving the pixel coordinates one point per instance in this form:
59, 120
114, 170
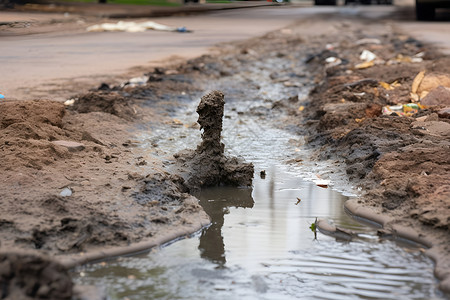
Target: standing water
260, 244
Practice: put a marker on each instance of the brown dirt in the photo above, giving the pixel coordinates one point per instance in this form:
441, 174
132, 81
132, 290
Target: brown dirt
31, 276
123, 193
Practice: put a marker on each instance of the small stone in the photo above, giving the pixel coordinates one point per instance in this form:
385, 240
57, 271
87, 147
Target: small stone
444, 113
70, 145
437, 96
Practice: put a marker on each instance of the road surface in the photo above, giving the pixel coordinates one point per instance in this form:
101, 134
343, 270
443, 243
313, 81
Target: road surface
60, 63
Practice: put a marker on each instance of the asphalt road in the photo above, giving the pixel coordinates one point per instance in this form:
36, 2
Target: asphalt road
41, 65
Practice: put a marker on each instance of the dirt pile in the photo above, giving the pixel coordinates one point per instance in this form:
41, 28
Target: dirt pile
75, 181
107, 102
207, 165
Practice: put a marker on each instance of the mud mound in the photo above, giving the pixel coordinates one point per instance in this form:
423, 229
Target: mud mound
111, 103
207, 165
30, 276
401, 161
36, 112
27, 129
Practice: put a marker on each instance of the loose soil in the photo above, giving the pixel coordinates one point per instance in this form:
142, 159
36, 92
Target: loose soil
75, 179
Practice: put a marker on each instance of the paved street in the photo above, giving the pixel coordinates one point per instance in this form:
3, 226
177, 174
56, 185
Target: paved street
34, 64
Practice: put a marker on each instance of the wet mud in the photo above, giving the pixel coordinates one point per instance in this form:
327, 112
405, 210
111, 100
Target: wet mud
122, 194
207, 165
31, 276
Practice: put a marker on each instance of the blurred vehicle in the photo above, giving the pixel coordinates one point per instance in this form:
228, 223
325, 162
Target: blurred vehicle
325, 2
426, 9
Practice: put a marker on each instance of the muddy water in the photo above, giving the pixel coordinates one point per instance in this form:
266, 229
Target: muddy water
259, 245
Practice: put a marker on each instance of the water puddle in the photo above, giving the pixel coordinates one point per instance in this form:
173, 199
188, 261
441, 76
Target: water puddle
260, 245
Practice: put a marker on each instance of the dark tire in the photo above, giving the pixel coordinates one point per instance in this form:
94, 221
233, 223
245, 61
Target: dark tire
424, 12
325, 2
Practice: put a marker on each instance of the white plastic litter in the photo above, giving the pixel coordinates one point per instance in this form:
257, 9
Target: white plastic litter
134, 27
366, 55
66, 192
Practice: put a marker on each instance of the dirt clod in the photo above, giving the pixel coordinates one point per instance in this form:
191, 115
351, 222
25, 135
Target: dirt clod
207, 165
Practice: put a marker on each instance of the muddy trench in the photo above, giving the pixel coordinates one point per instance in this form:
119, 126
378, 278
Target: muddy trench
264, 102
315, 136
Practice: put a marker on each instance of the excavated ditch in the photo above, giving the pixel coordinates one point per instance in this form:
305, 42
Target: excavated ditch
260, 244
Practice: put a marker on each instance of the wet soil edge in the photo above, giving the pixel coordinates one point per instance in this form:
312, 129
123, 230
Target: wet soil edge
110, 253
401, 232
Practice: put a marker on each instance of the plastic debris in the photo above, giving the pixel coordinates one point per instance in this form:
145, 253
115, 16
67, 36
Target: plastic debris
2, 97
417, 80
389, 86
400, 58
134, 27
366, 55
332, 61
66, 192
69, 102
402, 109
365, 65
368, 41
136, 81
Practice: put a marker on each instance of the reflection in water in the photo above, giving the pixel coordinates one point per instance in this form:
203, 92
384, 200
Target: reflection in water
216, 206
269, 252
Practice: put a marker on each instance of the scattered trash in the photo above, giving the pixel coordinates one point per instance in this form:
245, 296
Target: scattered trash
2, 97
368, 41
182, 29
136, 81
402, 109
365, 65
66, 192
362, 94
389, 86
70, 145
301, 108
332, 61
323, 183
366, 55
417, 80
69, 102
134, 27
298, 201
331, 46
